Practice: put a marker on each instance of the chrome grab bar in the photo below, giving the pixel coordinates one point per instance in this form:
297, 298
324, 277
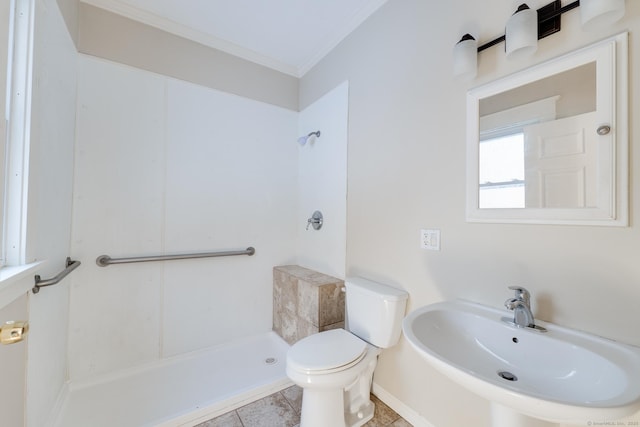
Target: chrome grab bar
40, 283
106, 260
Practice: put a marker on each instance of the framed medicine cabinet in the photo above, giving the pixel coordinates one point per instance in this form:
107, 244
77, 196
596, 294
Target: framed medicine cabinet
549, 144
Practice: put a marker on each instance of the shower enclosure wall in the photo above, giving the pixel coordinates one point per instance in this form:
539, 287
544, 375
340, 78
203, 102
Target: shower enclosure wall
165, 166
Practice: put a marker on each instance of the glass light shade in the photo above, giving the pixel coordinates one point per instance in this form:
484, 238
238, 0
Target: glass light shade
599, 13
465, 58
521, 35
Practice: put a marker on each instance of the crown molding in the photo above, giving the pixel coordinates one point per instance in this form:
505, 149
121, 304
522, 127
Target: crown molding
298, 70
186, 32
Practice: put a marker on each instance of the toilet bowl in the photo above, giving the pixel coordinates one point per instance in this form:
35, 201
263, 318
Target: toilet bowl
335, 367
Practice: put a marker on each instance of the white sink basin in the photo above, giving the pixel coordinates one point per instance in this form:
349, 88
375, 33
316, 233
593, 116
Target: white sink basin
561, 376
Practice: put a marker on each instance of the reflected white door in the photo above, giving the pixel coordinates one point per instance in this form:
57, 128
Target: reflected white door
561, 159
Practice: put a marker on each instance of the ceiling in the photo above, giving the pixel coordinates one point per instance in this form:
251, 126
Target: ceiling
290, 36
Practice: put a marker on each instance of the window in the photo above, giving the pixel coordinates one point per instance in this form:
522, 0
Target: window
16, 54
5, 27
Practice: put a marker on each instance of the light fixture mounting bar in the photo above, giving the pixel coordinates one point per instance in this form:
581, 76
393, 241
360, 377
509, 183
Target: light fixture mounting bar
548, 21
493, 42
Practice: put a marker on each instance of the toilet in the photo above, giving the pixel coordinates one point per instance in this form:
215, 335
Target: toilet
335, 367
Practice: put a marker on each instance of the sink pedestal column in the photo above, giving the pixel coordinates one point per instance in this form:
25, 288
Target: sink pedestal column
502, 416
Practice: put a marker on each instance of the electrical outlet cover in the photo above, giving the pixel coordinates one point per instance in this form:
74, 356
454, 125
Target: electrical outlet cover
430, 239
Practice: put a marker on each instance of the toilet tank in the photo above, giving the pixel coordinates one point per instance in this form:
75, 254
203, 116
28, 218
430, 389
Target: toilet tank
375, 311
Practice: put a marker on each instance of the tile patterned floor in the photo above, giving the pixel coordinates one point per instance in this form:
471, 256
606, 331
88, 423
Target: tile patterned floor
282, 409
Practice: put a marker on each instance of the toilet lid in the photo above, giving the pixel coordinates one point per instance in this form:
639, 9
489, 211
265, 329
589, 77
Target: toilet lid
327, 350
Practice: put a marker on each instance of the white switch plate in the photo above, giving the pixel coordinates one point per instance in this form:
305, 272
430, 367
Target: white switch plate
430, 239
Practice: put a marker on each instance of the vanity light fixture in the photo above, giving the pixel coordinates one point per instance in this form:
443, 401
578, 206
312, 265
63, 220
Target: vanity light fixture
465, 58
598, 13
520, 34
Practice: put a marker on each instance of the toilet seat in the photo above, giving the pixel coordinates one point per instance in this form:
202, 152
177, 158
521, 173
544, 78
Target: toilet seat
326, 352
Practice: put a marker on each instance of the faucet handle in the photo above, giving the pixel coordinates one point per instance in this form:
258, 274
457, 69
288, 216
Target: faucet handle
521, 293
512, 303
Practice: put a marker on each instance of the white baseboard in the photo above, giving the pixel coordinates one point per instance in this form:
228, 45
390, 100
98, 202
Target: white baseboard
403, 410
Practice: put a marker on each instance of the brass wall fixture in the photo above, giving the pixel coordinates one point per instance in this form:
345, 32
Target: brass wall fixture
12, 332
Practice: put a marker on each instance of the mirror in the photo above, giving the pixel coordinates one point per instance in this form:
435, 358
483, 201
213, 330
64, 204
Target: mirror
549, 144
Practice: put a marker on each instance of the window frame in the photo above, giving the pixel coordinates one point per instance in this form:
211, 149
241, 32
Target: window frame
18, 129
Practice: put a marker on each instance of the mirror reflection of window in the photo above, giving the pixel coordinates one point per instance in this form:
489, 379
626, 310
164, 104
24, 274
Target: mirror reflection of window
501, 153
502, 172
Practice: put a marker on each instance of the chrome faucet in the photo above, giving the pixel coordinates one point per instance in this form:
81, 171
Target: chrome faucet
521, 306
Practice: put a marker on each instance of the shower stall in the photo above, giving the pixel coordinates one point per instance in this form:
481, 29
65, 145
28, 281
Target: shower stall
163, 166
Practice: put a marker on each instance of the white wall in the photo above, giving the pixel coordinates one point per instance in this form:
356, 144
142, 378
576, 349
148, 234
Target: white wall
164, 166
49, 206
406, 171
322, 183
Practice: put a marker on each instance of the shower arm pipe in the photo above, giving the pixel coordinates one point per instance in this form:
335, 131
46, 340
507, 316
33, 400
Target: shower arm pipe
106, 260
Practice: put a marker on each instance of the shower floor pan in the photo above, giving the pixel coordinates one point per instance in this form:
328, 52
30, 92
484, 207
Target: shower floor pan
181, 391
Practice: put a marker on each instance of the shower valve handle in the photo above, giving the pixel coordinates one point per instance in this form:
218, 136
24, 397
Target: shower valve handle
316, 220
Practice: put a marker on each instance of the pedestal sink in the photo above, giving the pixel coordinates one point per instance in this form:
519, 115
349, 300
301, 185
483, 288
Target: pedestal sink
558, 376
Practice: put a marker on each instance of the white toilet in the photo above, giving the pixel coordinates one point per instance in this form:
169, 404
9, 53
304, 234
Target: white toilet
335, 367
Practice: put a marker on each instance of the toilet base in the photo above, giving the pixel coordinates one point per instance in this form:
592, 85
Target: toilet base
361, 417
348, 406
322, 408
